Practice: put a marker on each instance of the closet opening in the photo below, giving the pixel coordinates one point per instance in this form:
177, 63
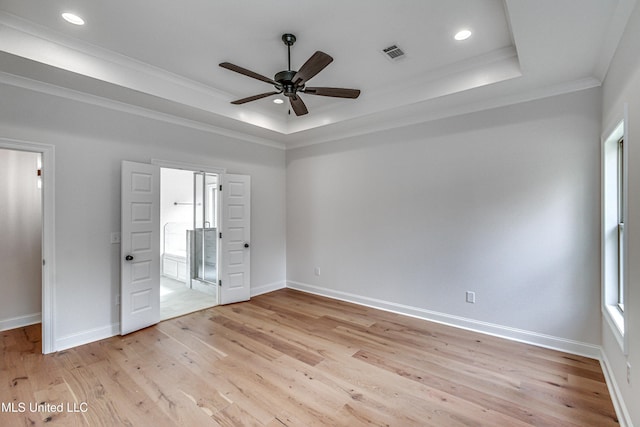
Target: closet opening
21, 245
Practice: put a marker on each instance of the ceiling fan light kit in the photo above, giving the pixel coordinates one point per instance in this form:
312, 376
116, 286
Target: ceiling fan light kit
290, 82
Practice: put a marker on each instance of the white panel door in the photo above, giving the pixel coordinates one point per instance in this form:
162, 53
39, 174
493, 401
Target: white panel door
236, 232
140, 247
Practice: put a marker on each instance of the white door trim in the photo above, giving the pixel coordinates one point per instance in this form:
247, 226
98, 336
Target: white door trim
48, 234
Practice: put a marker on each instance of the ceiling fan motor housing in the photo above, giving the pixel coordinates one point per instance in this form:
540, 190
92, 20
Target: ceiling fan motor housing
285, 82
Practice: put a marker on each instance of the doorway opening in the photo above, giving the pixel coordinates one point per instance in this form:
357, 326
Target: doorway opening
21, 246
189, 219
191, 259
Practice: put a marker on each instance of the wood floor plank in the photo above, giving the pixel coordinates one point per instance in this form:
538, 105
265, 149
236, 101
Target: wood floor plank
228, 388
411, 403
492, 360
289, 358
152, 364
290, 330
223, 339
507, 400
255, 334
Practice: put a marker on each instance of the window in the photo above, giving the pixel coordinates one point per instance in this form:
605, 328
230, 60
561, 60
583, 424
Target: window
614, 213
621, 234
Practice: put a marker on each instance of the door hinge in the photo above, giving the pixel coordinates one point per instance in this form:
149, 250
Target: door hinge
43, 262
219, 282
220, 187
221, 235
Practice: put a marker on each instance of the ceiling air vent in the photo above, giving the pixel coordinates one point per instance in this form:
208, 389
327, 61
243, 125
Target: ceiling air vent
393, 52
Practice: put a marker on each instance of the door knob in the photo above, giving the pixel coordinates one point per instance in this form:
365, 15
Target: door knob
129, 257
246, 245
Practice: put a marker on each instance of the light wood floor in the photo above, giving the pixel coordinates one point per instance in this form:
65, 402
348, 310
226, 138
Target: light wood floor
292, 359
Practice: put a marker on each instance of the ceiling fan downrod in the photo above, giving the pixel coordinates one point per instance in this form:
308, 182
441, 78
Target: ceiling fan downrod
289, 40
284, 78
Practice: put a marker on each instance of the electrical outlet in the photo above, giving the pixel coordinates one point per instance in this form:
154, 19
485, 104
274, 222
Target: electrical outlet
316, 271
115, 237
471, 297
628, 373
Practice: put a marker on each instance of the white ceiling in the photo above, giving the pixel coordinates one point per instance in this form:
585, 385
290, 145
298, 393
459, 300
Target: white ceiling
160, 58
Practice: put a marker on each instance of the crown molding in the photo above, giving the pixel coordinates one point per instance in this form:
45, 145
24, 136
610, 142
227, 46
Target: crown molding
353, 128
493, 67
423, 113
74, 95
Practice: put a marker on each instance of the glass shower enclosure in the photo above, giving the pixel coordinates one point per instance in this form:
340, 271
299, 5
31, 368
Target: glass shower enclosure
203, 239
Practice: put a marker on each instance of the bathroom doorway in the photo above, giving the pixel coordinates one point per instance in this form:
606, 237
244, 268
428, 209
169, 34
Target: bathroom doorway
189, 212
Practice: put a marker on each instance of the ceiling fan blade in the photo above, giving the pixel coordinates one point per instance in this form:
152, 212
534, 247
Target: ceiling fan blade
246, 72
298, 106
335, 92
254, 98
313, 66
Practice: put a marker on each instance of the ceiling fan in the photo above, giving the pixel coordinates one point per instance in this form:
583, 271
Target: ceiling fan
291, 83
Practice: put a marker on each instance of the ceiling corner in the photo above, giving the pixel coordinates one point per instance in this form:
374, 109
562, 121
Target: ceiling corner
614, 33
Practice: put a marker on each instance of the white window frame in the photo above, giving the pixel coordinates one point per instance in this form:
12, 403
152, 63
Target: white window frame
622, 213
614, 245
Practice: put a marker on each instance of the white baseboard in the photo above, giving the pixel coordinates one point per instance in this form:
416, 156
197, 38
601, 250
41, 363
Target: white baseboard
20, 321
85, 337
270, 287
556, 343
624, 419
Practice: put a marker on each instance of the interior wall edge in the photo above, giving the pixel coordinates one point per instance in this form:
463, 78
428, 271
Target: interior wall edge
95, 100
614, 391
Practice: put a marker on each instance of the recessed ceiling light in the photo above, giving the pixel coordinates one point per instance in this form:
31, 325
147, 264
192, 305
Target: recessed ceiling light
278, 101
462, 35
73, 18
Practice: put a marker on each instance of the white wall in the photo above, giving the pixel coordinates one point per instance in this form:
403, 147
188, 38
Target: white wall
176, 186
622, 85
20, 239
90, 143
505, 203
